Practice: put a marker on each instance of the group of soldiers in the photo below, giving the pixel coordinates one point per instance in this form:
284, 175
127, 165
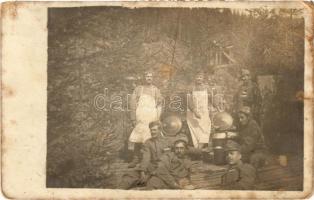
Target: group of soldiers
163, 162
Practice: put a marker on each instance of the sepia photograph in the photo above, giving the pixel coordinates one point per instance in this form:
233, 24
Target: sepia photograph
147, 100
175, 98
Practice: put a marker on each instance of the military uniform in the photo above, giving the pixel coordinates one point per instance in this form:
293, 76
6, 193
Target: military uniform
152, 151
249, 95
252, 143
239, 177
172, 173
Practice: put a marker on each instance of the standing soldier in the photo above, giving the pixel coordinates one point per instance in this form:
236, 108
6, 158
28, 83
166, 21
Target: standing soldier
248, 95
145, 108
198, 119
239, 176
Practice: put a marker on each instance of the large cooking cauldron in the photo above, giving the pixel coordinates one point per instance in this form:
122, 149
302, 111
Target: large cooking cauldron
222, 121
171, 125
223, 124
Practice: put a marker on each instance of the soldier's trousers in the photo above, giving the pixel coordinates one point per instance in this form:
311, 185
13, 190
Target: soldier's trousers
130, 180
156, 183
258, 158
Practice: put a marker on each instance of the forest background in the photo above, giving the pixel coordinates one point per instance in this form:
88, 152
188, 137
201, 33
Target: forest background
94, 48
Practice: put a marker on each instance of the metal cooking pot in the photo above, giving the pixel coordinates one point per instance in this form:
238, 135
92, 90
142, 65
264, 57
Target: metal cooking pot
220, 138
171, 125
219, 155
222, 121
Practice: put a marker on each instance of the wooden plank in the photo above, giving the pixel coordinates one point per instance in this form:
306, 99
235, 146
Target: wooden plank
208, 176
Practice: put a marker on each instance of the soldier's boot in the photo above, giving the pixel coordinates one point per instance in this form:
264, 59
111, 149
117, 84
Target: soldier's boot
128, 180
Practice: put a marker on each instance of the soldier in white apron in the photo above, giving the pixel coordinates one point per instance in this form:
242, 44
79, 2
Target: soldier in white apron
145, 108
198, 119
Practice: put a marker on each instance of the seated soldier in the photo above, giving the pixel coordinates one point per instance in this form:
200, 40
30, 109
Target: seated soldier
174, 169
239, 176
251, 139
152, 151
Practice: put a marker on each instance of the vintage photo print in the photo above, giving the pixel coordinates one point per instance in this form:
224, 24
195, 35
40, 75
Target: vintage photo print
157, 100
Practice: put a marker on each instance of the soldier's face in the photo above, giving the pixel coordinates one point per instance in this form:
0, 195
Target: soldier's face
149, 78
154, 131
245, 77
199, 78
243, 119
233, 157
179, 149
211, 80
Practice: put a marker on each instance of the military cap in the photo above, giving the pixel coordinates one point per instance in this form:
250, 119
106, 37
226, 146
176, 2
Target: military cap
232, 146
245, 110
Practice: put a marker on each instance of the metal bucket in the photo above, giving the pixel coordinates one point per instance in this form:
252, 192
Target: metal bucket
219, 155
219, 139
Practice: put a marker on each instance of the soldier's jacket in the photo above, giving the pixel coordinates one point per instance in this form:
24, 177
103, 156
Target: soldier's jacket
152, 151
239, 177
251, 138
249, 95
173, 170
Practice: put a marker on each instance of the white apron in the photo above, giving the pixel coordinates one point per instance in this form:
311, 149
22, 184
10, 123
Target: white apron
199, 128
146, 112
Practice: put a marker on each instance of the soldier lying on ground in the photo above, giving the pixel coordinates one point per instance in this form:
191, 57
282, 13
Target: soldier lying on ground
239, 176
152, 151
174, 169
